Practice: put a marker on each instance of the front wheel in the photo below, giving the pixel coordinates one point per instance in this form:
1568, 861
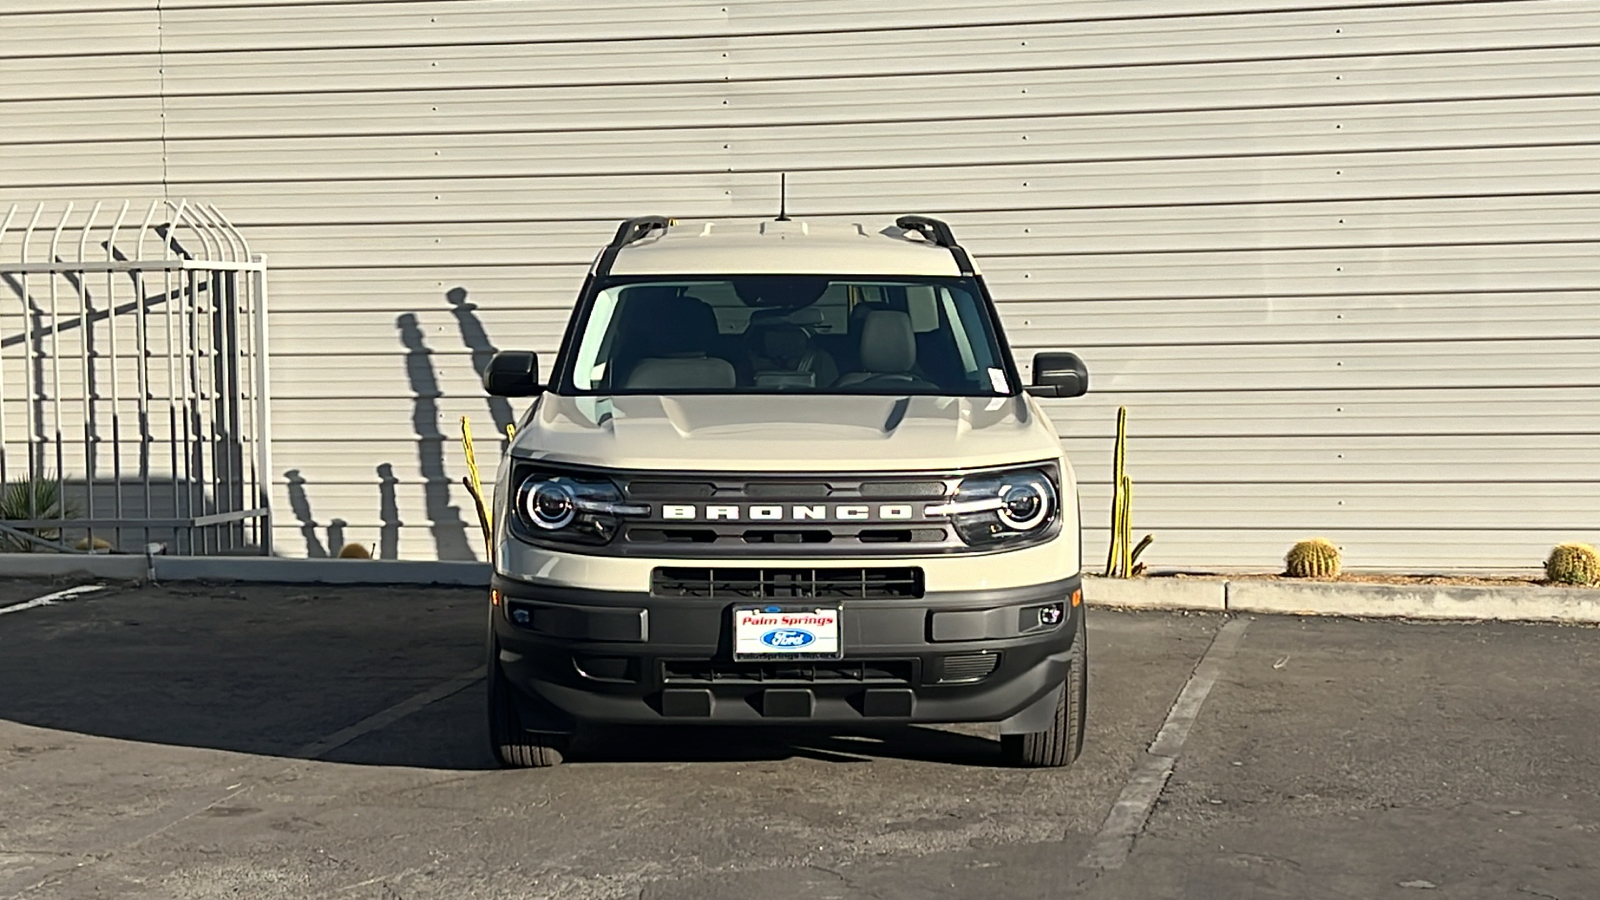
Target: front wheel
513, 745
1063, 742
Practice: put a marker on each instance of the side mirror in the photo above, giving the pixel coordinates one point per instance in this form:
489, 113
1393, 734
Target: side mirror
1059, 375
513, 373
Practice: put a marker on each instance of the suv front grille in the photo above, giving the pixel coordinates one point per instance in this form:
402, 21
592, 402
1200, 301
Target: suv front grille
876, 671
757, 515
902, 582
644, 537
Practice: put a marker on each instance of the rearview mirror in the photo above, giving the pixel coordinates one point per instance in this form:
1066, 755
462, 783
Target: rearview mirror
1059, 375
513, 373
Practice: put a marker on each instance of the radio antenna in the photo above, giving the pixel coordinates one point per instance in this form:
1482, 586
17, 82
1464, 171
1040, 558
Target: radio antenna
783, 196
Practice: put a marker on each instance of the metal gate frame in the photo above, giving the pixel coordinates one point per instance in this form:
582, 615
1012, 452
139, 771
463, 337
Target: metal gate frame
198, 356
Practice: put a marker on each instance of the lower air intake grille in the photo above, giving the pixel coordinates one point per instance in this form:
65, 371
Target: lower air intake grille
878, 671
969, 666
788, 584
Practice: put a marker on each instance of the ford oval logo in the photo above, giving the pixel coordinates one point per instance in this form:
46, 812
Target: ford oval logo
787, 638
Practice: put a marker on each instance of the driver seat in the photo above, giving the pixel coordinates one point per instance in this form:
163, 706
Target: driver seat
681, 332
888, 349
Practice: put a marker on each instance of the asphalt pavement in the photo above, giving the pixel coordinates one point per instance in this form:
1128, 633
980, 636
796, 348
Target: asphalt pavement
271, 742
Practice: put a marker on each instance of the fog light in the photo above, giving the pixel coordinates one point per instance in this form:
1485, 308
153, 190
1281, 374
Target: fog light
1051, 615
521, 616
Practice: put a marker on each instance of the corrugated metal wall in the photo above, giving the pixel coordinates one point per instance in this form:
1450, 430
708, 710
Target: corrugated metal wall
1341, 263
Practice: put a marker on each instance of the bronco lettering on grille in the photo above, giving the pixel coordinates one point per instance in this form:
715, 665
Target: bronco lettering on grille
821, 512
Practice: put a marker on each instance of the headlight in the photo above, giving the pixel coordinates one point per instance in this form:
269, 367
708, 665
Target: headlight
1025, 505
991, 508
550, 505
582, 510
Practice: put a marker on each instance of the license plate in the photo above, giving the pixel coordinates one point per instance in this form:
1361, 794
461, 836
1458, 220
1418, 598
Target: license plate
786, 632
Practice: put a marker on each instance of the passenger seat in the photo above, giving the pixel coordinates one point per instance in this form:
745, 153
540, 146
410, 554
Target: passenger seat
888, 352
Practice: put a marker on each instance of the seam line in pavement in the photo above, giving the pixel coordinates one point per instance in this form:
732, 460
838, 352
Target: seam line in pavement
387, 717
1148, 779
48, 599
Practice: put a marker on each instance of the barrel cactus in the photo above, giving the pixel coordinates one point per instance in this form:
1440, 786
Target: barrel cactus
1573, 564
1316, 558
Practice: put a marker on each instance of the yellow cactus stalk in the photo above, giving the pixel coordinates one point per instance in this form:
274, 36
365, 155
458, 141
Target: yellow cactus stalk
475, 487
1122, 557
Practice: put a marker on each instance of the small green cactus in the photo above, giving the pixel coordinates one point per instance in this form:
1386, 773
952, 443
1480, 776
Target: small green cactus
1573, 564
1316, 558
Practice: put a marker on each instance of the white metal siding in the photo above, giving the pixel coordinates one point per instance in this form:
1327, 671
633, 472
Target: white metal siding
1341, 264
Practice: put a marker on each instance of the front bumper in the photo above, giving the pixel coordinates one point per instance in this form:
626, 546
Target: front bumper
629, 657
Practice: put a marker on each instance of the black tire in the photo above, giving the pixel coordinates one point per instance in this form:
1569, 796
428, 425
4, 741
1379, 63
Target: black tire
1062, 744
513, 745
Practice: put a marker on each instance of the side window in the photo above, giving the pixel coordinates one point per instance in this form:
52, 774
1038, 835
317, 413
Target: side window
589, 368
923, 306
958, 329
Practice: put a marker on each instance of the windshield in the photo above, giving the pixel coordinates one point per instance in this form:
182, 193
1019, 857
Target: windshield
790, 334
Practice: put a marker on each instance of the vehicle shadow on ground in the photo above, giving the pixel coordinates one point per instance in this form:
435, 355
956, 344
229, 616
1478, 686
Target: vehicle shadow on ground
279, 670
765, 743
272, 670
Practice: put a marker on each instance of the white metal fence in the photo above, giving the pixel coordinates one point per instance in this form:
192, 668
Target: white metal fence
133, 380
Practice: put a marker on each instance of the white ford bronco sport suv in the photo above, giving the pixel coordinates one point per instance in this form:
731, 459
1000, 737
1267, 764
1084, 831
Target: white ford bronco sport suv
785, 474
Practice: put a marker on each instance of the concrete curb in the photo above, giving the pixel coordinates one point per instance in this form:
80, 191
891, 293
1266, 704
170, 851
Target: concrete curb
72, 565
1156, 593
266, 569
322, 571
1417, 601
1408, 601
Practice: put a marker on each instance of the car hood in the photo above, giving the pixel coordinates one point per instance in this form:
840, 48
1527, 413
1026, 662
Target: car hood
786, 433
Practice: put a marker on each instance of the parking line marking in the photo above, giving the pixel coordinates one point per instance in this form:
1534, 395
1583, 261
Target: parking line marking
1150, 773
1175, 730
385, 718
48, 599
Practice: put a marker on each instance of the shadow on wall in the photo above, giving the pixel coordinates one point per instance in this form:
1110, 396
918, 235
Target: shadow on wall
446, 521
477, 340
388, 517
449, 530
388, 513
301, 507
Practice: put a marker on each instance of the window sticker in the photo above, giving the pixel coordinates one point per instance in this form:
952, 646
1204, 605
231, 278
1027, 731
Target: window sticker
997, 378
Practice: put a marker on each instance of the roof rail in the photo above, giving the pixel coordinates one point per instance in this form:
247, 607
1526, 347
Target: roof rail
937, 231
630, 231
933, 229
